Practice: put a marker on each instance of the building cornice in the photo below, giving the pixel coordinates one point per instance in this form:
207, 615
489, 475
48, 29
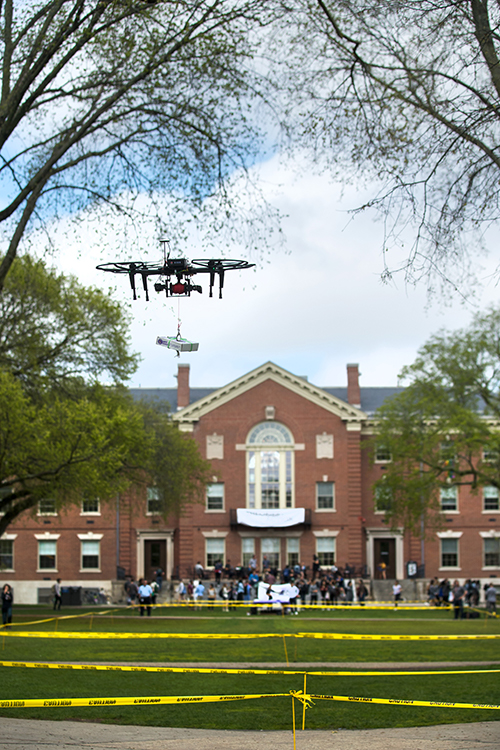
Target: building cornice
269, 371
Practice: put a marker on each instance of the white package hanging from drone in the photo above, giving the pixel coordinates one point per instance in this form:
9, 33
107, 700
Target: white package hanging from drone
177, 344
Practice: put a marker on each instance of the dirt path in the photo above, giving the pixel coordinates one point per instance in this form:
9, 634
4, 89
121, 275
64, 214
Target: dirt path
23, 734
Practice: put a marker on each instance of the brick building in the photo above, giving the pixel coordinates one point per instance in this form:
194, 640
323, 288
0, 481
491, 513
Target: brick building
290, 479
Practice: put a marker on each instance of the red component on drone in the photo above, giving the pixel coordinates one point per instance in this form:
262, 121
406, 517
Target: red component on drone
177, 288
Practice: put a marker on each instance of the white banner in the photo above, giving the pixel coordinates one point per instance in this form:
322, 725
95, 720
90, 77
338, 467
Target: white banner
278, 592
270, 518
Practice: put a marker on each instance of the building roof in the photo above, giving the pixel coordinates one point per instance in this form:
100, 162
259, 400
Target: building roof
371, 397
169, 395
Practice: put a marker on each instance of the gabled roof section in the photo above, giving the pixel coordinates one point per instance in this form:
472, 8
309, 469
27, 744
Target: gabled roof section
269, 371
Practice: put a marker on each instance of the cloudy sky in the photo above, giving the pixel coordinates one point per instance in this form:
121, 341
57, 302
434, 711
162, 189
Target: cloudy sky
311, 306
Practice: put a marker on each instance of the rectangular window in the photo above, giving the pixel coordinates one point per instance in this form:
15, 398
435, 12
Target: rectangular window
489, 455
47, 555
288, 486
214, 551
91, 507
6, 554
449, 499
490, 498
292, 551
47, 507
382, 455
215, 496
270, 550
90, 555
252, 461
382, 498
325, 496
492, 552
153, 502
247, 551
270, 479
449, 553
325, 549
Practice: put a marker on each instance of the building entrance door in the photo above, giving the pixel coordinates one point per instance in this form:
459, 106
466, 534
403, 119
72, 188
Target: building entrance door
385, 553
155, 556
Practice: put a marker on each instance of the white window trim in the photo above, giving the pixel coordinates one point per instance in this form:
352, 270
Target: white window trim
90, 537
45, 514
326, 532
491, 534
148, 512
90, 512
217, 535
450, 535
484, 498
282, 450
47, 537
217, 510
382, 461
9, 538
455, 512
326, 510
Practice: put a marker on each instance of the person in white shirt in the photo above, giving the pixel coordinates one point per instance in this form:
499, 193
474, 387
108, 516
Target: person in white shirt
57, 594
181, 591
396, 592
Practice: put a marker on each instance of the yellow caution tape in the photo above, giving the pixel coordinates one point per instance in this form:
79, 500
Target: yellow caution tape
306, 698
413, 606
103, 636
221, 670
90, 635
132, 701
361, 637
397, 702
63, 617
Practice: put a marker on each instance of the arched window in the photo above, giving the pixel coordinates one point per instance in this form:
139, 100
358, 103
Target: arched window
270, 467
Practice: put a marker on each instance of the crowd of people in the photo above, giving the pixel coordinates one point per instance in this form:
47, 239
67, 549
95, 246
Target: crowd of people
443, 593
142, 592
319, 586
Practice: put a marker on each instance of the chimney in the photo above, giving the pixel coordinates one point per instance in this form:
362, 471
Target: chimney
182, 386
353, 392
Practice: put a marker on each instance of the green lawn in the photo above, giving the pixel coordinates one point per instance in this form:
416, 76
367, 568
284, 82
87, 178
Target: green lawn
268, 713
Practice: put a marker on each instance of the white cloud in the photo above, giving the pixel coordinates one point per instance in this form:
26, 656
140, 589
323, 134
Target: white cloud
317, 303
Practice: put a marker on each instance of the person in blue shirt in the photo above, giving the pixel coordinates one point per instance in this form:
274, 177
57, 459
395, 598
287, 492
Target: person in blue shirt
199, 592
145, 597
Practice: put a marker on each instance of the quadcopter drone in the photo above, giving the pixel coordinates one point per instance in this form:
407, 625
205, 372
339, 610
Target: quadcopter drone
180, 268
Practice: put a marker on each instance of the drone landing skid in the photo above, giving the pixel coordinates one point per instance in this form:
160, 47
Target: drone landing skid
177, 344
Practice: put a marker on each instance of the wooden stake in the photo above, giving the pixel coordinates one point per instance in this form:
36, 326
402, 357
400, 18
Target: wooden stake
286, 652
304, 706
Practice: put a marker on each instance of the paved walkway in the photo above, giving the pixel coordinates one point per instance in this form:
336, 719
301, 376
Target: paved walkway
23, 734
363, 666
